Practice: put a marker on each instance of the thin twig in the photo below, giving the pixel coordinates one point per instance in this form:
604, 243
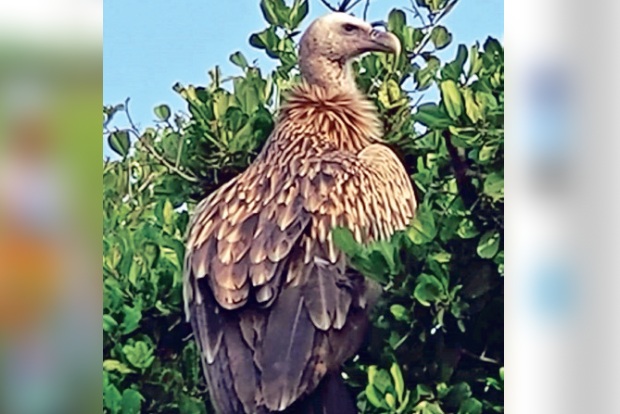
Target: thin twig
146, 182
417, 102
345, 6
365, 14
166, 163
401, 341
481, 358
416, 12
133, 126
329, 6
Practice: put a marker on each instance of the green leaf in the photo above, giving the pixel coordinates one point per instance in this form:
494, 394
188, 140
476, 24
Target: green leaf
191, 405
162, 112
131, 402
486, 101
441, 257
299, 12
493, 49
119, 142
423, 228
267, 39
494, 186
467, 229
426, 407
411, 38
221, 102
488, 244
151, 253
429, 289
390, 95
109, 323
390, 400
396, 21
139, 354
114, 365
423, 390
425, 76
470, 406
373, 397
440, 37
451, 98
457, 394
400, 312
168, 212
454, 69
238, 59
247, 97
475, 62
133, 316
112, 398
381, 380
487, 152
432, 116
399, 383
472, 109
270, 10
344, 240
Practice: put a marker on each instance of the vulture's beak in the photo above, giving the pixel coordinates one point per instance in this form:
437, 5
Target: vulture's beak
383, 42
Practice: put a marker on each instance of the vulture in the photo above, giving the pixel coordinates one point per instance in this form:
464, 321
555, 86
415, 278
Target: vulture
275, 307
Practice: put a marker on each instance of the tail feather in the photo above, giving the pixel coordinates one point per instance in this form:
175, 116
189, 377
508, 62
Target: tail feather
331, 397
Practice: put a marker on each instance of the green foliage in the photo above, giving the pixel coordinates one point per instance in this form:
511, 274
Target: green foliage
436, 344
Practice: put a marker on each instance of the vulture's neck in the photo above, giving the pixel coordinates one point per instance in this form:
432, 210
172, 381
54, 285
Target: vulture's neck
328, 118
325, 73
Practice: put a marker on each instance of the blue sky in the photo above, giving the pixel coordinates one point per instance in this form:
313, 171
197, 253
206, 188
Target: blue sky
149, 46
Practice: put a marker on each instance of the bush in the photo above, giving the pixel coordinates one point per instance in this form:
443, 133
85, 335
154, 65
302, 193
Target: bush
436, 345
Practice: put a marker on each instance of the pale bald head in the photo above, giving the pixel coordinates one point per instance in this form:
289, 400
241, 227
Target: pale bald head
331, 41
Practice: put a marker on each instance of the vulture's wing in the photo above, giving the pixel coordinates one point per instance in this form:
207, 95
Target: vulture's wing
270, 298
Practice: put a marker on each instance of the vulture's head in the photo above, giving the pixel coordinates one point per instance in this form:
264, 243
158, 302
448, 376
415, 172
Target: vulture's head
331, 41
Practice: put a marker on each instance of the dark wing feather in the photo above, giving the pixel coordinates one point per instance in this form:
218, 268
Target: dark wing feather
285, 351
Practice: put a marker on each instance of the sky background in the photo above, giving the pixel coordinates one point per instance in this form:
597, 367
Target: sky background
149, 46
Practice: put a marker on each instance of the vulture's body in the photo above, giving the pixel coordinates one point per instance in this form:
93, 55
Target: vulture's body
273, 304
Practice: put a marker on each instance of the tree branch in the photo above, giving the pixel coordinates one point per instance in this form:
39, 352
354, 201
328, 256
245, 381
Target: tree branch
166, 163
431, 25
467, 190
159, 157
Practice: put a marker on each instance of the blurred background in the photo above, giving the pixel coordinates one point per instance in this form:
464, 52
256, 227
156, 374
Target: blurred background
561, 226
50, 193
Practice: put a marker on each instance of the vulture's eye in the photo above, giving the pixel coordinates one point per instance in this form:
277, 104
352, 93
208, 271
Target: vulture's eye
349, 28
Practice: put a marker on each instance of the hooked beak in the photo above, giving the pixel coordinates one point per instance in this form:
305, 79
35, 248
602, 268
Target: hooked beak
383, 42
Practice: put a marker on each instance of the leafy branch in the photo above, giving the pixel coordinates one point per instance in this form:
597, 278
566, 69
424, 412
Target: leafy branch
142, 139
433, 22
